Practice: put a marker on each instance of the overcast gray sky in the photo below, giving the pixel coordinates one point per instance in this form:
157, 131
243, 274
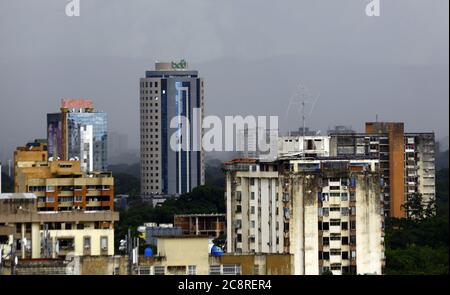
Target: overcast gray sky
252, 54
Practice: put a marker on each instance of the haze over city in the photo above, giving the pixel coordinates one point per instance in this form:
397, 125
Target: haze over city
394, 66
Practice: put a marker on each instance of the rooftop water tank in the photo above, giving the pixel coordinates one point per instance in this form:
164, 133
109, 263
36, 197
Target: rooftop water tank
216, 251
148, 252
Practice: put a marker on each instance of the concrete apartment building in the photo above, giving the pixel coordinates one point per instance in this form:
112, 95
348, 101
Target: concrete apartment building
79, 132
407, 161
35, 234
304, 146
168, 94
326, 212
57, 208
61, 185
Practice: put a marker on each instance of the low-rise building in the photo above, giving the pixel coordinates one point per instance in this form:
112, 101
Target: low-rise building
211, 225
34, 234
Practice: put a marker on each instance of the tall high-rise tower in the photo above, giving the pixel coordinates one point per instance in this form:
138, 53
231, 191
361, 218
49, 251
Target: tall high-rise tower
171, 103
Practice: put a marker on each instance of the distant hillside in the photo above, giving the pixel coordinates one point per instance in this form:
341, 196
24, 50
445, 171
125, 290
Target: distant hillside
131, 169
442, 160
7, 183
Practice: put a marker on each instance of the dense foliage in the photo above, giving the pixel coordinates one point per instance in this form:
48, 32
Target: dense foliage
420, 246
202, 199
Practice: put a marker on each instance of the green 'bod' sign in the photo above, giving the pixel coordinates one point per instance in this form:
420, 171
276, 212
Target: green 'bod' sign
180, 65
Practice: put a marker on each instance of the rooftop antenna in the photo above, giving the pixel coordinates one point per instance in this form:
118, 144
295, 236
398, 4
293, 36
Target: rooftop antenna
302, 96
9, 168
376, 118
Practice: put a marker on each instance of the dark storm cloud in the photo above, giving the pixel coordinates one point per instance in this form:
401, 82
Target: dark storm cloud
252, 54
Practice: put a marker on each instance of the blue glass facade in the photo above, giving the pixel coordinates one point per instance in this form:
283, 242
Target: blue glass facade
98, 121
75, 144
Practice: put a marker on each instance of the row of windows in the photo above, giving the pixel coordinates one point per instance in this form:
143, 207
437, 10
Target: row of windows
148, 117
149, 84
151, 181
147, 98
149, 142
149, 123
150, 174
148, 104
344, 255
150, 156
150, 136
149, 92
150, 168
151, 149
146, 111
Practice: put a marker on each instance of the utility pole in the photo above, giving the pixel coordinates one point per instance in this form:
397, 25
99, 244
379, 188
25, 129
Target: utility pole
13, 258
9, 167
129, 252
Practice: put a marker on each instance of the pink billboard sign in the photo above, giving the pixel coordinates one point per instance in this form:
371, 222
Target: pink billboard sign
76, 103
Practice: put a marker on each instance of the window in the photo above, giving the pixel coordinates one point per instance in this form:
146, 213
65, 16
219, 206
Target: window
335, 237
353, 240
344, 211
344, 197
352, 225
335, 222
335, 252
144, 270
326, 255
344, 240
326, 240
231, 269
104, 243
50, 199
325, 226
252, 210
192, 270
252, 195
214, 270
336, 266
344, 225
252, 224
78, 199
345, 255
87, 243
158, 270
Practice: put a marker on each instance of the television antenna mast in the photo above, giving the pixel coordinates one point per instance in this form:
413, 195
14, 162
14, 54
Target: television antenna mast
301, 97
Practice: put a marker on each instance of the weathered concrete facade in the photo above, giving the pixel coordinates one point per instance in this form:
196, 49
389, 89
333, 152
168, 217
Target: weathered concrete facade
326, 212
